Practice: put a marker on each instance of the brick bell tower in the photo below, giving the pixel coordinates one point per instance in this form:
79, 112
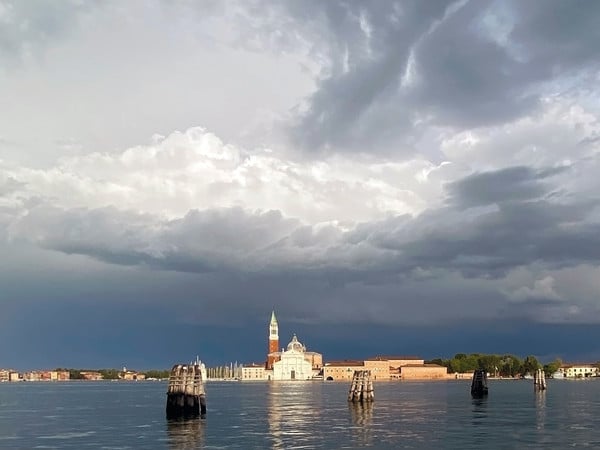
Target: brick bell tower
273, 341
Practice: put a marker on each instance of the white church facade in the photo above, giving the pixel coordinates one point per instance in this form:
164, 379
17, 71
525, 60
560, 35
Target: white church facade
291, 363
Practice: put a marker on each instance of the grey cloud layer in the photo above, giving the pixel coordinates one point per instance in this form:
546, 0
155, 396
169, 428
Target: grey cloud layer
495, 222
395, 68
512, 183
27, 25
513, 253
460, 179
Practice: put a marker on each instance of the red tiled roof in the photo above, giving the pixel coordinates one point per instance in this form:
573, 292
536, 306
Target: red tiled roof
344, 363
388, 358
421, 365
254, 365
567, 366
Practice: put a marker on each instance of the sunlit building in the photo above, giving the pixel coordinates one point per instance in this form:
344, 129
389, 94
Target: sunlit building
254, 372
385, 368
293, 362
341, 370
578, 371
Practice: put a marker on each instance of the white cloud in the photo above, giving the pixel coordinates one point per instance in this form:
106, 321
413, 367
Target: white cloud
542, 289
556, 134
197, 170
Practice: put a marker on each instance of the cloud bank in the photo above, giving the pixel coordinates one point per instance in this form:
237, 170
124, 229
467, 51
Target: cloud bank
395, 163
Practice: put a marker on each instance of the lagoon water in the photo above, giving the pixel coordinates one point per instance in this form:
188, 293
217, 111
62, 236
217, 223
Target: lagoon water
287, 415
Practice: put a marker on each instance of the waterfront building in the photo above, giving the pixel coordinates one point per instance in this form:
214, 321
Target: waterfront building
131, 375
292, 363
379, 367
578, 371
46, 375
254, 372
315, 359
386, 368
14, 376
422, 372
341, 370
62, 375
91, 375
32, 376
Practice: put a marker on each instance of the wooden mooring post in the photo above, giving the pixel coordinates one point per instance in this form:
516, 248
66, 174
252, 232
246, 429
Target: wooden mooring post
479, 387
185, 394
539, 380
361, 389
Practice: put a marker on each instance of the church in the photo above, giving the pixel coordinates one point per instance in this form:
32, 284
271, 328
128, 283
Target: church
293, 362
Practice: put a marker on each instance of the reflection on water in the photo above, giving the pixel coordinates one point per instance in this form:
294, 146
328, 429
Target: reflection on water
293, 410
185, 434
479, 408
362, 413
307, 415
540, 410
362, 420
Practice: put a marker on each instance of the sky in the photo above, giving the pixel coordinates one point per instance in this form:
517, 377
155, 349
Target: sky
391, 177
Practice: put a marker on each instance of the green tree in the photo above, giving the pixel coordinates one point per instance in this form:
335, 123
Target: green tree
438, 361
471, 362
109, 374
530, 365
510, 366
490, 363
552, 367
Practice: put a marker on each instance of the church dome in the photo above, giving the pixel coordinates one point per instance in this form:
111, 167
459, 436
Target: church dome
296, 345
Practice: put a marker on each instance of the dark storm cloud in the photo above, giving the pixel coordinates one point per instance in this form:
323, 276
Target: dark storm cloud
201, 241
464, 77
491, 243
471, 79
512, 183
367, 66
395, 66
557, 35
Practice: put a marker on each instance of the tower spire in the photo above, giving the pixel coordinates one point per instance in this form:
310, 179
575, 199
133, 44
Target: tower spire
273, 340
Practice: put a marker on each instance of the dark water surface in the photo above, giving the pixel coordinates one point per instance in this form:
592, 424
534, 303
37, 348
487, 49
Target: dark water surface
125, 415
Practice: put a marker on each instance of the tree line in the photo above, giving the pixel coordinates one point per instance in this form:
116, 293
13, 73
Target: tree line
497, 365
113, 374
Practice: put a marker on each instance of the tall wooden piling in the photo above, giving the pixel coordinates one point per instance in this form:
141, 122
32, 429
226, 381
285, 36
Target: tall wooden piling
185, 394
361, 389
479, 387
539, 380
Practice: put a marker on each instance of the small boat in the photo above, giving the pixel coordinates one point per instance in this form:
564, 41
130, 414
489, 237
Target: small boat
479, 387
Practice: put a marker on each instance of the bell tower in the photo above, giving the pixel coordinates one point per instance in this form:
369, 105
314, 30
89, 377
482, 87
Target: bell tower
273, 340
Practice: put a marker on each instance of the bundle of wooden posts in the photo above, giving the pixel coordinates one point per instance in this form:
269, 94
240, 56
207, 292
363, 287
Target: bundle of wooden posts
185, 394
539, 380
361, 389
